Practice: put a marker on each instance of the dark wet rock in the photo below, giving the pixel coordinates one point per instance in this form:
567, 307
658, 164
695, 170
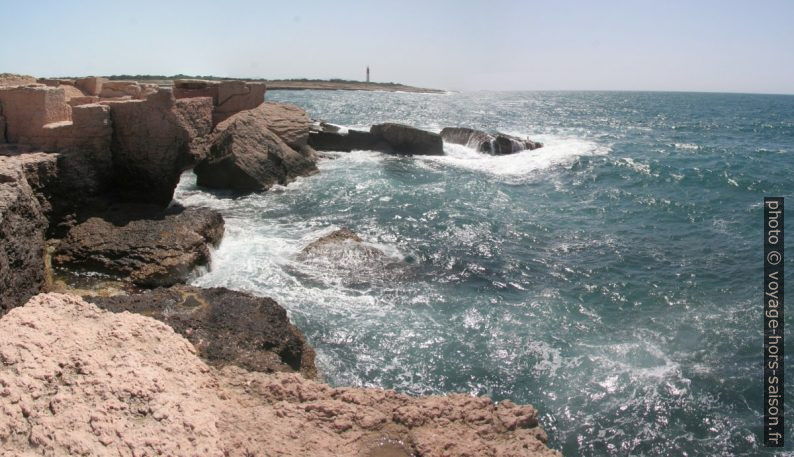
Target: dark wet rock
226, 327
246, 156
487, 143
22, 224
407, 140
142, 243
352, 140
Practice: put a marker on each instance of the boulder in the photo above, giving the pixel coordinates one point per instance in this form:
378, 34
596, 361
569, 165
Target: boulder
289, 122
227, 327
407, 140
143, 244
246, 156
79, 380
329, 137
151, 146
487, 143
23, 221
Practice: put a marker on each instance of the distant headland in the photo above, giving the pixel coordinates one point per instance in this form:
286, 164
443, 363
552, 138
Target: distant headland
283, 84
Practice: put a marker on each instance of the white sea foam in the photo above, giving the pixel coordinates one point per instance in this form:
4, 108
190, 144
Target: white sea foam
556, 152
686, 146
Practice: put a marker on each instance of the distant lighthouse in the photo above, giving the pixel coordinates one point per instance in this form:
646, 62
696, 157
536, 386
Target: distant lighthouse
367, 73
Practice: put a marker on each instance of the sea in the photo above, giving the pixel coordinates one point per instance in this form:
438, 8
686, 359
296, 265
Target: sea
612, 279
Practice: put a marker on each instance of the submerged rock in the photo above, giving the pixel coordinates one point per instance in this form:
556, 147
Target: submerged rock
495, 144
246, 156
80, 380
343, 256
147, 245
226, 326
343, 247
404, 139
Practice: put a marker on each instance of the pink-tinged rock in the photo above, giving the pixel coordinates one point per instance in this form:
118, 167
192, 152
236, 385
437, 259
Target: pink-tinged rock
112, 89
236, 96
90, 86
71, 92
28, 108
10, 79
150, 147
129, 382
289, 122
84, 100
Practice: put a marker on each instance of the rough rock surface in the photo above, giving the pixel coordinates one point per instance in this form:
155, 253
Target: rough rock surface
91, 85
150, 144
10, 79
495, 144
22, 225
75, 380
408, 140
149, 246
289, 122
195, 115
226, 326
246, 156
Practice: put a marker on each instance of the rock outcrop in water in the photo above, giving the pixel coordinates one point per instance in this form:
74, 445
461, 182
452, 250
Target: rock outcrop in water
495, 144
390, 138
404, 139
246, 156
79, 380
144, 244
226, 327
328, 137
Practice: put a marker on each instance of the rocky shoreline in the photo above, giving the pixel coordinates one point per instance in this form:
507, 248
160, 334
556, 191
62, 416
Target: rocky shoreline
148, 365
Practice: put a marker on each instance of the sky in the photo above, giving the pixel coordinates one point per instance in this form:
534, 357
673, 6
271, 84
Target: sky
671, 45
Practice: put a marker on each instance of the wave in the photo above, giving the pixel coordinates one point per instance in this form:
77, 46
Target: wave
556, 152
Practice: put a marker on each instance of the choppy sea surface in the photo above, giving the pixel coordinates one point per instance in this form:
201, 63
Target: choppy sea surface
612, 278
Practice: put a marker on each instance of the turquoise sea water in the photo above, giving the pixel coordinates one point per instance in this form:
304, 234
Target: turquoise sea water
612, 278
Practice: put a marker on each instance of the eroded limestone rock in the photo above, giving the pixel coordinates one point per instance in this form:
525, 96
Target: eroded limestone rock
77, 379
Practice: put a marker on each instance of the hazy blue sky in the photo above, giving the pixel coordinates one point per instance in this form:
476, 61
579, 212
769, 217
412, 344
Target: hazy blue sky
745, 46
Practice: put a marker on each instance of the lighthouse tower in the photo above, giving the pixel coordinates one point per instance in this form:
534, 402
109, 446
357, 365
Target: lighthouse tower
367, 73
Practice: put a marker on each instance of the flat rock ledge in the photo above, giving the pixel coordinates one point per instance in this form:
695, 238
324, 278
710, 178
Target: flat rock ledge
143, 244
76, 380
